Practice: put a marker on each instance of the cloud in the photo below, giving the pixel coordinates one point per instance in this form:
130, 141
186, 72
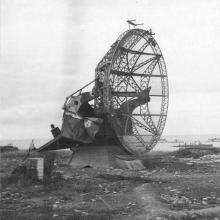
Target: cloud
30, 119
30, 113
50, 48
193, 113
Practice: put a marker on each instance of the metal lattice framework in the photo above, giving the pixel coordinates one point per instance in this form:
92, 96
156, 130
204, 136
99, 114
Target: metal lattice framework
133, 64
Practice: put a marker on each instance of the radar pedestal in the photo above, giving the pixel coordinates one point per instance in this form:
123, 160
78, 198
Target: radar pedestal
105, 156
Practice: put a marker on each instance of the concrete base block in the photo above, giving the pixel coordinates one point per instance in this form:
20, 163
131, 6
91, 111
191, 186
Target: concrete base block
35, 165
104, 156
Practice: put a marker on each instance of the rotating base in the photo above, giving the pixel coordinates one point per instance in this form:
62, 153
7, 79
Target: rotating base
107, 156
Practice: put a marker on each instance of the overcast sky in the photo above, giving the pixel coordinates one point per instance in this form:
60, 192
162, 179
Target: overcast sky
49, 48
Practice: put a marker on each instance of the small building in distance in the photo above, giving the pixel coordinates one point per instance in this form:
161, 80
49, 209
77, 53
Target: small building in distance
198, 149
8, 148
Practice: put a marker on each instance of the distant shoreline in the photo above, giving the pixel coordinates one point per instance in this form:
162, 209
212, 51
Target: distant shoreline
24, 143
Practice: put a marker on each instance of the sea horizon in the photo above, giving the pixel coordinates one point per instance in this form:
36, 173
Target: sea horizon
189, 138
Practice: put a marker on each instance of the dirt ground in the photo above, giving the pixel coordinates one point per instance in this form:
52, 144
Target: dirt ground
169, 188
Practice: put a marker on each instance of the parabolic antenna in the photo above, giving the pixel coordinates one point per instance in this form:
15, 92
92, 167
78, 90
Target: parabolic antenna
134, 64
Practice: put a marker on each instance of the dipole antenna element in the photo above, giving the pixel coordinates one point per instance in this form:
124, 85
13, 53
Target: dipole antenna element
133, 23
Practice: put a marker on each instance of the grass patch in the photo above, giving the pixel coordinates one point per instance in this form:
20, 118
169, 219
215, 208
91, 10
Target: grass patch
20, 177
83, 186
8, 180
114, 178
98, 215
17, 154
48, 214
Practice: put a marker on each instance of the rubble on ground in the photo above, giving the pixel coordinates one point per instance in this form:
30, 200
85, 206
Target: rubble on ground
211, 157
87, 192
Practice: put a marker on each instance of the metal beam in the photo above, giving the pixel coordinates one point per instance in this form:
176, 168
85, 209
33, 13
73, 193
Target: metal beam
139, 65
130, 94
138, 52
125, 94
148, 115
138, 114
158, 95
122, 73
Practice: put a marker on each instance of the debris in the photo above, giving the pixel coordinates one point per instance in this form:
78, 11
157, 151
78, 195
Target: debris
81, 212
204, 202
104, 202
55, 206
211, 157
106, 191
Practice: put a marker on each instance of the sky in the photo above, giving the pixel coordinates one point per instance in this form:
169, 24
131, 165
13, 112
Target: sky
50, 48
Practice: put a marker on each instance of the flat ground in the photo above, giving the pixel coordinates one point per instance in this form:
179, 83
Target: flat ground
169, 188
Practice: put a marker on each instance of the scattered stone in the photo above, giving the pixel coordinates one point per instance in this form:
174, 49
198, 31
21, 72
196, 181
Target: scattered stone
55, 205
176, 173
211, 157
81, 212
160, 218
174, 190
204, 202
106, 191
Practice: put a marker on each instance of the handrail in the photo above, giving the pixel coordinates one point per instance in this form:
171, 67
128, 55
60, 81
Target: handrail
80, 90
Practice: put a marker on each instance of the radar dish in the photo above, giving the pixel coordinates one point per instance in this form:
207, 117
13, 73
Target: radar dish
133, 66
